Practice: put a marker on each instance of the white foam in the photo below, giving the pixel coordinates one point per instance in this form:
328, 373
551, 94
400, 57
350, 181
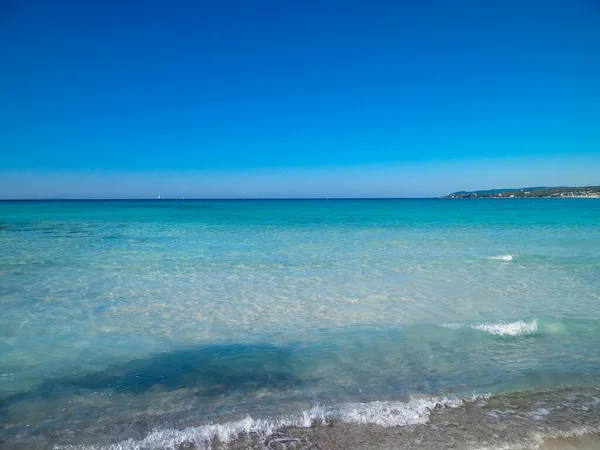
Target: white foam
508, 329
386, 414
502, 257
520, 327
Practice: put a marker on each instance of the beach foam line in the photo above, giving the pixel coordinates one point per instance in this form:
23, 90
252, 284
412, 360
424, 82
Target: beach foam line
385, 414
518, 328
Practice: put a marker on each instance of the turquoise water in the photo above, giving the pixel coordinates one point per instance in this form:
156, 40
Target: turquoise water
122, 319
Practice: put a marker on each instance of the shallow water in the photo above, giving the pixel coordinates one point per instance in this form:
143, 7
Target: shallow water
123, 318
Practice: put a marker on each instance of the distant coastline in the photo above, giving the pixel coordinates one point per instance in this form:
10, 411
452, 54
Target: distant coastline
532, 192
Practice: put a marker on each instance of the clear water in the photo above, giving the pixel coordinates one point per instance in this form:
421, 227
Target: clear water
123, 318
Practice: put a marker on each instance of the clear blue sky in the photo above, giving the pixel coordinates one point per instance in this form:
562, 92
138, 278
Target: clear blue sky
299, 98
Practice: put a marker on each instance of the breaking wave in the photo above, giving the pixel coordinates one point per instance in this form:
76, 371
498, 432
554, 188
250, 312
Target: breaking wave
502, 257
386, 414
509, 329
518, 328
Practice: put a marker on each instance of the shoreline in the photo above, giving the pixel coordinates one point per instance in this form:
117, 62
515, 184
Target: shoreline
563, 419
531, 192
516, 198
588, 441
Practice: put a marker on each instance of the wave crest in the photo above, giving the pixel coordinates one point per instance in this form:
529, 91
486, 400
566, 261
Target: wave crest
386, 414
518, 328
509, 329
502, 257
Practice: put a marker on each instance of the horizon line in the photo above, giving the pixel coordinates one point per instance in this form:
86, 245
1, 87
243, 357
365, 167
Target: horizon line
205, 199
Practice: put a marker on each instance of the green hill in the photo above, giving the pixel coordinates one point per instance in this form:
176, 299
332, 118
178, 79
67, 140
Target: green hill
530, 192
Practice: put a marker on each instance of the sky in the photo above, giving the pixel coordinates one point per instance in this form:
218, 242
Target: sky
282, 98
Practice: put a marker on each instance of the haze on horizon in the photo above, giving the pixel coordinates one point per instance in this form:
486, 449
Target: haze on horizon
296, 99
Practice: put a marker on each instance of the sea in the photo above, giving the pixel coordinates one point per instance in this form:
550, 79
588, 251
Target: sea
279, 324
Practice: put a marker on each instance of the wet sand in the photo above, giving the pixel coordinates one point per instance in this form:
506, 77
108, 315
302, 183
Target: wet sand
585, 442
516, 421
542, 420
342, 437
